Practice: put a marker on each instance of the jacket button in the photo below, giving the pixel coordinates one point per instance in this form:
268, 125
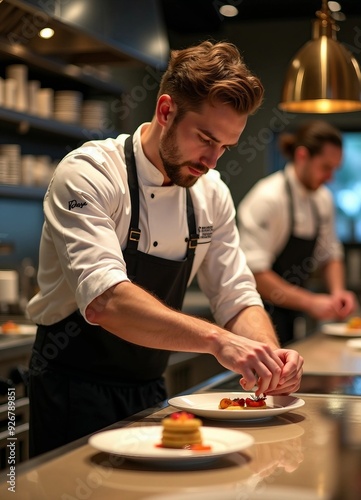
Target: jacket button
155, 244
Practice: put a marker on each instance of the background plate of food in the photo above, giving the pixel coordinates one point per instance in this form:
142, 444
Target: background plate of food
354, 344
207, 405
12, 328
352, 328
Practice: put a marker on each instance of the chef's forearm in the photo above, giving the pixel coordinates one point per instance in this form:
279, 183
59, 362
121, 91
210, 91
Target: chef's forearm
279, 292
334, 275
134, 315
254, 323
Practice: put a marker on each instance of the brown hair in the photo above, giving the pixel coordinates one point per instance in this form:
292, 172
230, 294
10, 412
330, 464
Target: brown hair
313, 135
212, 72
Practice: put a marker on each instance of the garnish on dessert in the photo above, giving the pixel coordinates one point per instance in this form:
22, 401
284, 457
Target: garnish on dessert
354, 323
181, 430
254, 402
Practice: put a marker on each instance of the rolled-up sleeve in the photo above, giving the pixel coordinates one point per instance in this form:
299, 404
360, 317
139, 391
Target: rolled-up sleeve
81, 209
224, 276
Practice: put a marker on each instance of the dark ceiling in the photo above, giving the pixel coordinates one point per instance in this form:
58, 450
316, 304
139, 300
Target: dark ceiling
190, 16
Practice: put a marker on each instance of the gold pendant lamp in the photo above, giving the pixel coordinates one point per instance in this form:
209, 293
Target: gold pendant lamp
323, 77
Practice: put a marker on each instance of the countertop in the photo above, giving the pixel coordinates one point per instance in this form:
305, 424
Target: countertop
17, 344
293, 451
302, 454
329, 354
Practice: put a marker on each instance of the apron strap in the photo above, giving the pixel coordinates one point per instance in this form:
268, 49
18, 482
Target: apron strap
193, 236
134, 231
292, 207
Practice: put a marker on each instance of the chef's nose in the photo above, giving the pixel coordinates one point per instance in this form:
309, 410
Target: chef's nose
210, 159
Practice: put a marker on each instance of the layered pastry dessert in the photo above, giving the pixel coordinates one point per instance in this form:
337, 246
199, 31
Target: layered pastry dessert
181, 430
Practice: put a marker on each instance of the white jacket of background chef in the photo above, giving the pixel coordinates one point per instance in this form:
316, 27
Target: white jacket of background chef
264, 220
87, 214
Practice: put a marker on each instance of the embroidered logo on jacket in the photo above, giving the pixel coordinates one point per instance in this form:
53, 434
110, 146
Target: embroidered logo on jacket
76, 204
205, 231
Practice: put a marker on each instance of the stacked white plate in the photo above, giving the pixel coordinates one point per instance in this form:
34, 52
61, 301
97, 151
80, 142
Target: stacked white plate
3, 169
67, 106
44, 101
2, 92
19, 74
10, 93
94, 114
33, 96
10, 163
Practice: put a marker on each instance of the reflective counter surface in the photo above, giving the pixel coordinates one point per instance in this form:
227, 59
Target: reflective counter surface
347, 385
313, 452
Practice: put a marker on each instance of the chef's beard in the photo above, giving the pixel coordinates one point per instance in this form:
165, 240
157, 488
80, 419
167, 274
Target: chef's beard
171, 158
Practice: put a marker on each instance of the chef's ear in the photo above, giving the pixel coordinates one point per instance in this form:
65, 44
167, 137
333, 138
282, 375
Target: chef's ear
301, 154
165, 109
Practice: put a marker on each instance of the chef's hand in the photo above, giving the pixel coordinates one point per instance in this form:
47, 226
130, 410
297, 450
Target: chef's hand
332, 307
257, 362
323, 307
345, 303
291, 375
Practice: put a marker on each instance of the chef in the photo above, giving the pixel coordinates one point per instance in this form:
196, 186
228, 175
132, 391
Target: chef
287, 231
128, 224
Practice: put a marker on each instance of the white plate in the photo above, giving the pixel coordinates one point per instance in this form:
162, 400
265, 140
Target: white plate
264, 492
340, 330
354, 343
140, 444
206, 405
21, 330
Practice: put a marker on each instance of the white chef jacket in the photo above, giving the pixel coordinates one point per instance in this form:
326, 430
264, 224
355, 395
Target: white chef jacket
87, 210
264, 220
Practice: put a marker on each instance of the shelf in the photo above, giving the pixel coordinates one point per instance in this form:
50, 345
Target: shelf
61, 63
22, 192
57, 67
26, 122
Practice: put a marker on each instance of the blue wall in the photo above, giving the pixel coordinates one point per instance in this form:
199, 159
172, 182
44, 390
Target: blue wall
20, 224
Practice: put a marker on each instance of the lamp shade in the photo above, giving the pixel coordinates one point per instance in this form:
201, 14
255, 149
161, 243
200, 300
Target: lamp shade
323, 77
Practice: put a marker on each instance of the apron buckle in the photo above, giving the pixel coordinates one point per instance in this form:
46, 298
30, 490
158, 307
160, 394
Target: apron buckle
193, 241
134, 234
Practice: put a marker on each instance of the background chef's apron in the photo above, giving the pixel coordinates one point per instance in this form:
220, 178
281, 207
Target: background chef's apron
84, 378
294, 255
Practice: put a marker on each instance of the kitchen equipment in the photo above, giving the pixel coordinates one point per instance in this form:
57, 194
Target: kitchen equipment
9, 289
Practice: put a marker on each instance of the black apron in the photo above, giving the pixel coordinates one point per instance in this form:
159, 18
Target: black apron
293, 257
123, 378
